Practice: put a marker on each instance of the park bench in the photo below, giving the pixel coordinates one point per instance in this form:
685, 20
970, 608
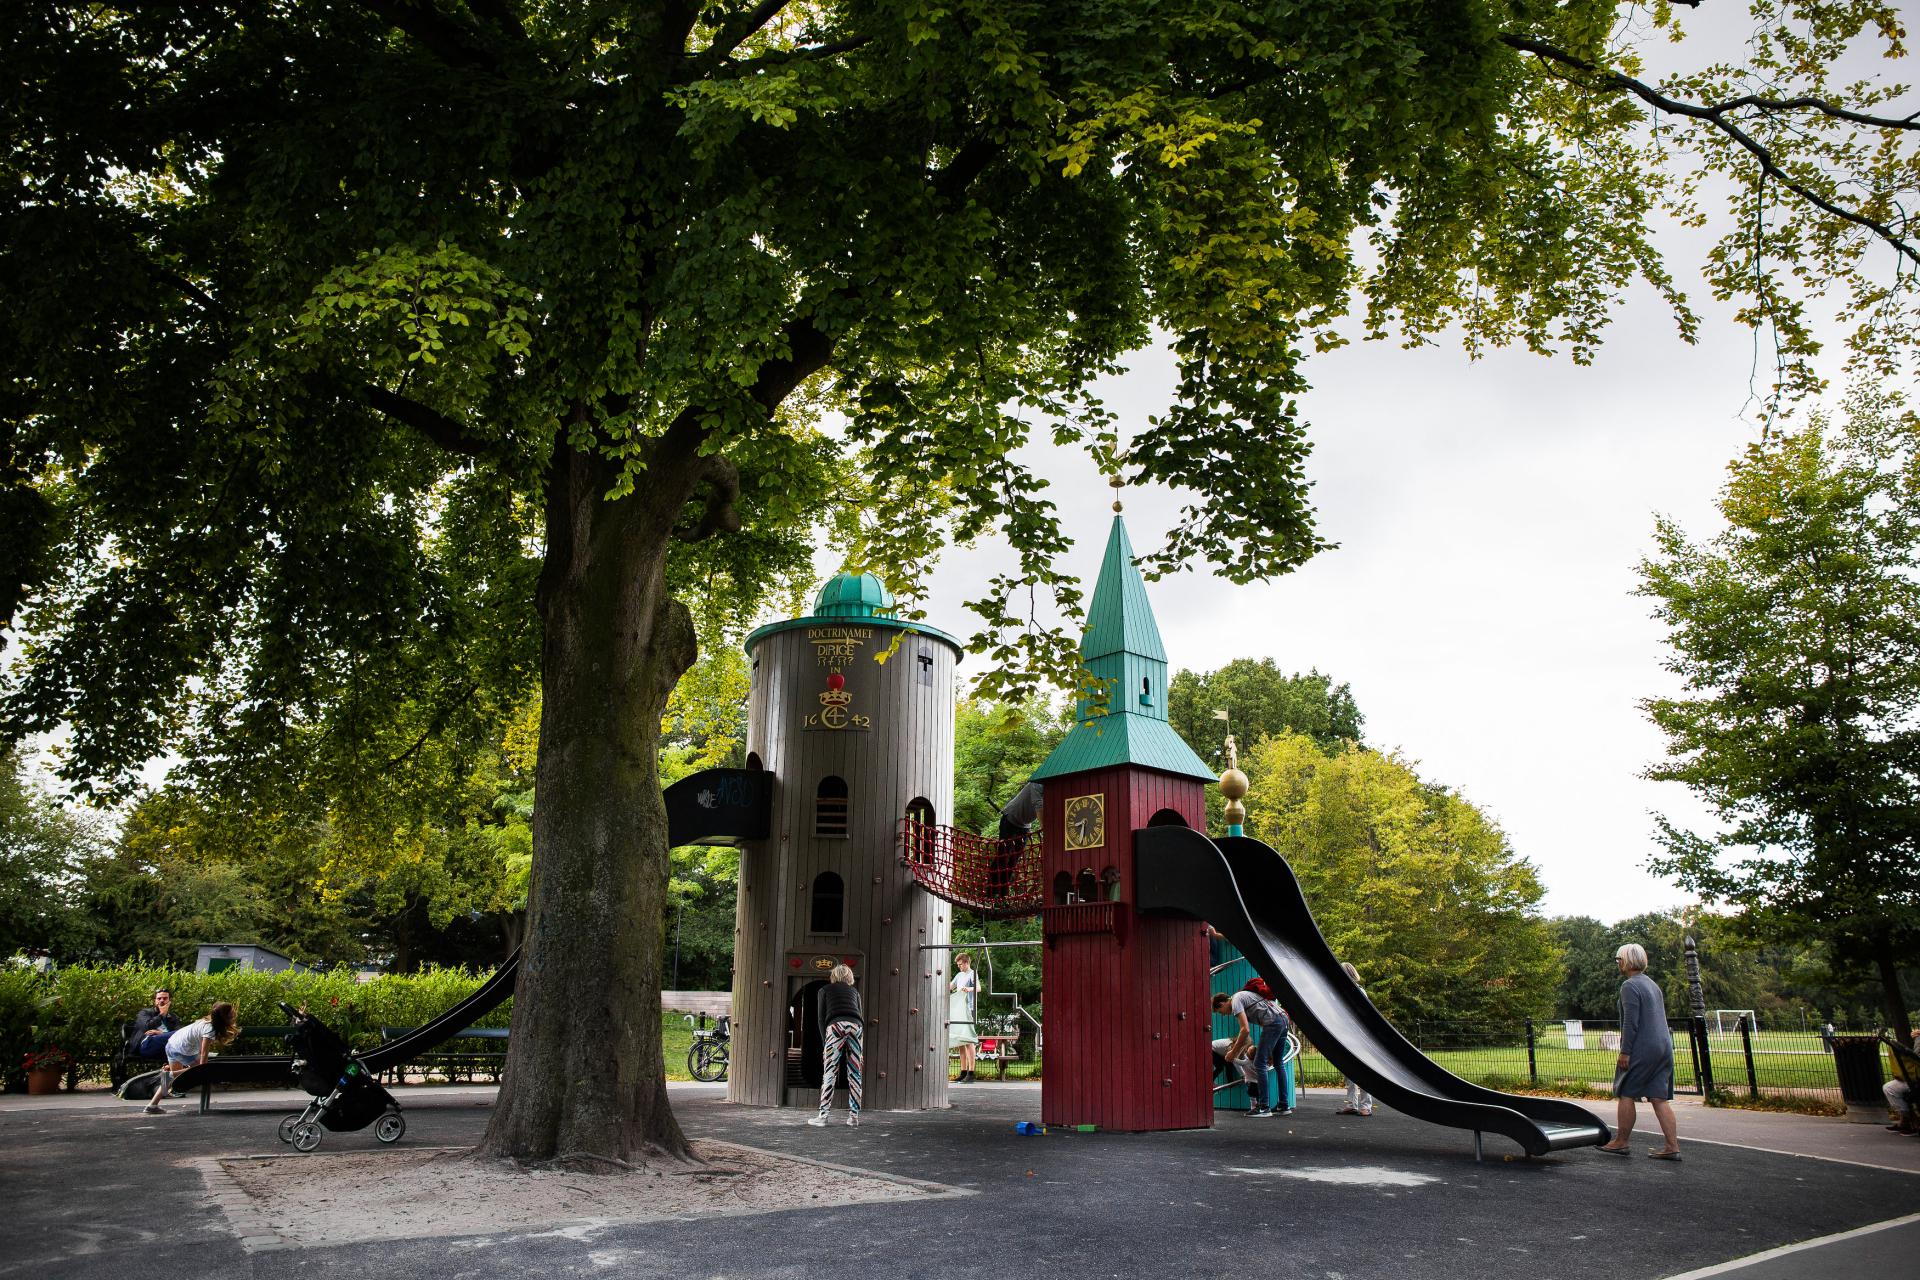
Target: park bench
228, 1067
996, 1048
485, 1050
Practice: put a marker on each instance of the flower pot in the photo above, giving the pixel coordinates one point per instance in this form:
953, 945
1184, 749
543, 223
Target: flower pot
44, 1081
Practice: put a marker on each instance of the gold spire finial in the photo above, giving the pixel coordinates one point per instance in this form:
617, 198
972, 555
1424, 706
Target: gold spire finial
1233, 785
1118, 484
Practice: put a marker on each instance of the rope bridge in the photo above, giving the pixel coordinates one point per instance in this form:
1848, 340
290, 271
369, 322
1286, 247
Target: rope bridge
997, 878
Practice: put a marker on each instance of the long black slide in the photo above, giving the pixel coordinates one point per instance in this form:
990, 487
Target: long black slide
1247, 891
713, 806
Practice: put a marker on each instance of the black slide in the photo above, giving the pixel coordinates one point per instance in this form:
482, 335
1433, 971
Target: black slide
1247, 891
714, 806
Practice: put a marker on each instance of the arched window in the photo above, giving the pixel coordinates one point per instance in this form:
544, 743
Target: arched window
1167, 818
829, 913
830, 807
753, 761
920, 810
1062, 889
1110, 884
1146, 691
1087, 887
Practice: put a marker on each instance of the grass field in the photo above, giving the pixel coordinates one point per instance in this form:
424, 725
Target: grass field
1787, 1062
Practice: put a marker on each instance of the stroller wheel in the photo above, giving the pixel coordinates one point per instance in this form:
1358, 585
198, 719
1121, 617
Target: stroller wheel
287, 1126
306, 1136
390, 1127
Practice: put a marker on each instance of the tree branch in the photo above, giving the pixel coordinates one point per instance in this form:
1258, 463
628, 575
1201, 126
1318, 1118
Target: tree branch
431, 423
736, 33
1716, 116
435, 32
787, 57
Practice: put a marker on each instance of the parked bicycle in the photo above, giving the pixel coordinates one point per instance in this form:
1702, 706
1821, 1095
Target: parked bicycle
707, 1059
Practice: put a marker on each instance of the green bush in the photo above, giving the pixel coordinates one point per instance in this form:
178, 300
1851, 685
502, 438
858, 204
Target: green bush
81, 1008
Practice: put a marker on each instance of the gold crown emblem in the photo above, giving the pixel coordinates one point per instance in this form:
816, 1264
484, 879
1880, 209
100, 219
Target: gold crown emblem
835, 698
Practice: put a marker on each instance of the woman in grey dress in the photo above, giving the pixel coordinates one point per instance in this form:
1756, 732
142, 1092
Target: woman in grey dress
1645, 1066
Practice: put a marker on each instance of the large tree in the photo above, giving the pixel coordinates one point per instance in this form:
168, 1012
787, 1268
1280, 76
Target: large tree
390, 349
1795, 630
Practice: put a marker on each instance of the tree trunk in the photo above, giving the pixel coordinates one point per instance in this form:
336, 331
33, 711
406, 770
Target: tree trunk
585, 1079
1892, 1000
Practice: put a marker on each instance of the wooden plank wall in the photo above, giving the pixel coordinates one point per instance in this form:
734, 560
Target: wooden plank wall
1128, 1023
907, 753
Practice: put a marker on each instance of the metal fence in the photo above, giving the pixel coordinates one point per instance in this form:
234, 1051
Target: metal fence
1740, 1064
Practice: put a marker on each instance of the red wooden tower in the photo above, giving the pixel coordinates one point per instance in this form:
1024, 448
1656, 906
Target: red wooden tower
1128, 1021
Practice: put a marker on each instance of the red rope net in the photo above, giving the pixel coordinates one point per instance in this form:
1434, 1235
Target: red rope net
999, 878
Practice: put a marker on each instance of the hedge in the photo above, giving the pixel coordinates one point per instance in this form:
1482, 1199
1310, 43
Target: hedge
81, 1008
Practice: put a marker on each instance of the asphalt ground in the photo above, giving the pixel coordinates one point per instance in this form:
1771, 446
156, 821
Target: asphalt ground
91, 1188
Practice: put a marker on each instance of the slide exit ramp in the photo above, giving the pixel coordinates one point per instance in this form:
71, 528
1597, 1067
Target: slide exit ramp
713, 806
1247, 891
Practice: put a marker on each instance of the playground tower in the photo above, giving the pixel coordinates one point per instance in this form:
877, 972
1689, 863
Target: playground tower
851, 712
1128, 1019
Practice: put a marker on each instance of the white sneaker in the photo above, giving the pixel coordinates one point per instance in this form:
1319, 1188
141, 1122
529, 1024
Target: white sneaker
853, 1122
818, 1122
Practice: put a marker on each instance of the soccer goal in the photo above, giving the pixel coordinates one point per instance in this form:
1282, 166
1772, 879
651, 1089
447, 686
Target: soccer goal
1727, 1021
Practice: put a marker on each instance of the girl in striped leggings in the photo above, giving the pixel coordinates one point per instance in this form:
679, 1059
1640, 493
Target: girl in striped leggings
842, 1021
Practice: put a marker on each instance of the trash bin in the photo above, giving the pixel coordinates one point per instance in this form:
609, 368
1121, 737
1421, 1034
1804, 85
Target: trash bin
1856, 1059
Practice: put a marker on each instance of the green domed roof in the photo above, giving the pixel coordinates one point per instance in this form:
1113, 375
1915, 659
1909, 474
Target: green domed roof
849, 595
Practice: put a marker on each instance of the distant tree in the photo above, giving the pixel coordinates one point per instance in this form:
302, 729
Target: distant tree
45, 853
996, 747
1796, 631
1261, 702
1409, 881
1589, 983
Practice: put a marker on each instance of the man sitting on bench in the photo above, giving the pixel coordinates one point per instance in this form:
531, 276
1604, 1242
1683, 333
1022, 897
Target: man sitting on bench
1901, 1099
151, 1027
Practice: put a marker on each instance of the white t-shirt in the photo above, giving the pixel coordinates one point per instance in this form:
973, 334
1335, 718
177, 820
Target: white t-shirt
965, 980
184, 1044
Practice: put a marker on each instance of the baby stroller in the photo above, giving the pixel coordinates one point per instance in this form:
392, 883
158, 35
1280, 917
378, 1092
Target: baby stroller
345, 1096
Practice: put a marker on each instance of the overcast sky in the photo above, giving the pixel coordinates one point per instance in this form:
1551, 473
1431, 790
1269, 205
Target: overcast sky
1480, 603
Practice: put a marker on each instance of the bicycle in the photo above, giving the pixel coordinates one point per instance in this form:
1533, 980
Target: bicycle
708, 1058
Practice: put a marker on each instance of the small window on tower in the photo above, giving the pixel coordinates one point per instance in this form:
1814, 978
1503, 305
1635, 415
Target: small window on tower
830, 807
829, 913
926, 665
1087, 886
920, 810
1062, 889
1146, 691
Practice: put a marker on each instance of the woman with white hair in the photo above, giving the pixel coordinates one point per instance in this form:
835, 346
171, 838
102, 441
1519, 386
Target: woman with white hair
1645, 1066
841, 1021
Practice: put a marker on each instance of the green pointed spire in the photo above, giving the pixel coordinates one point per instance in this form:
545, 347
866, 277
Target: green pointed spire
1122, 648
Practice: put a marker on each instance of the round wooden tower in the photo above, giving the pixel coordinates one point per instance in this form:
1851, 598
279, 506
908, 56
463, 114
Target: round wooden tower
851, 711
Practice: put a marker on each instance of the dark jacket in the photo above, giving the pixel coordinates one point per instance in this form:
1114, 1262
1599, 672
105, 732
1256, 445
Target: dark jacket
146, 1020
840, 1003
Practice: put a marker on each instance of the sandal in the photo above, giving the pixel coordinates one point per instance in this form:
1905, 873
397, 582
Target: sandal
1660, 1155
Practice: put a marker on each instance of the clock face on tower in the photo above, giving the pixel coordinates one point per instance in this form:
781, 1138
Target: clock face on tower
1086, 822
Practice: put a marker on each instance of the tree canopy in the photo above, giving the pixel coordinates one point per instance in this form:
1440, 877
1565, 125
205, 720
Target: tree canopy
368, 363
1795, 630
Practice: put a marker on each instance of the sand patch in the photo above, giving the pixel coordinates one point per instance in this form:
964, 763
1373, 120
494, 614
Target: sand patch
1361, 1175
321, 1199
